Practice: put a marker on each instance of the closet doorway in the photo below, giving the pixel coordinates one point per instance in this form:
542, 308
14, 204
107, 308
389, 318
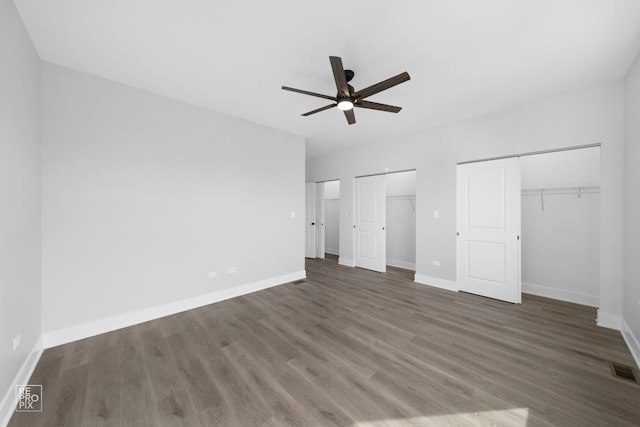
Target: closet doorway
401, 219
531, 223
384, 221
561, 225
330, 219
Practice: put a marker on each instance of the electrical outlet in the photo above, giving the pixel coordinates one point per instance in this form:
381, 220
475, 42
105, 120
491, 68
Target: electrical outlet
231, 270
212, 275
16, 342
436, 263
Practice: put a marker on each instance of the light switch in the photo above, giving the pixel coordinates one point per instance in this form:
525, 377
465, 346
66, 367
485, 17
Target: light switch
436, 214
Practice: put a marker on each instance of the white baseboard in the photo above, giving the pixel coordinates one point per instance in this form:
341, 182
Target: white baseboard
632, 342
561, 294
346, 261
401, 264
332, 251
10, 400
608, 320
436, 282
74, 333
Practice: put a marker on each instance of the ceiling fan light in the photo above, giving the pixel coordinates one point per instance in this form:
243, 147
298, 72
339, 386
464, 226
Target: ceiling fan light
345, 105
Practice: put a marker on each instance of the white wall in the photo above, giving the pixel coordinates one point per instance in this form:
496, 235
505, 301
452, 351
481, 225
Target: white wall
584, 117
20, 288
632, 211
143, 196
401, 219
332, 190
570, 168
561, 247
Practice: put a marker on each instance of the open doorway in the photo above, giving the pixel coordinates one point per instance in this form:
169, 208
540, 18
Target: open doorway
330, 226
401, 219
384, 220
322, 211
561, 225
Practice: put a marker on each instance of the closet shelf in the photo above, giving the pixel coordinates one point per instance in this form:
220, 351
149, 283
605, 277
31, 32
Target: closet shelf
408, 196
552, 191
557, 191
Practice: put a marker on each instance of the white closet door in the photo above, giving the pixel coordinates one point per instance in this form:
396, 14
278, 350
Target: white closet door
488, 205
369, 223
310, 221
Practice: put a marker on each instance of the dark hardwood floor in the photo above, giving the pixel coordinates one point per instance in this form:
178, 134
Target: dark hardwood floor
347, 347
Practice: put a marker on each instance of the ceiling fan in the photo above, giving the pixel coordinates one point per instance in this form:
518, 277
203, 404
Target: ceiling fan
347, 98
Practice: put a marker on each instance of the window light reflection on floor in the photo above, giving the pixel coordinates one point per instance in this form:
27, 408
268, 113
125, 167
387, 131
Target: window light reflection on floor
515, 417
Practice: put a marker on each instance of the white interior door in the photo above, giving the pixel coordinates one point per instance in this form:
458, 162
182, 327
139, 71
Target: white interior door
310, 221
320, 209
369, 223
488, 217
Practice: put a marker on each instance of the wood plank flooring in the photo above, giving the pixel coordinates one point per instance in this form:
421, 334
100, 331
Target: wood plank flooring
347, 347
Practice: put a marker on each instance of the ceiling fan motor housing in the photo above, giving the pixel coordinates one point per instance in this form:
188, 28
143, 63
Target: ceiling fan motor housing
349, 75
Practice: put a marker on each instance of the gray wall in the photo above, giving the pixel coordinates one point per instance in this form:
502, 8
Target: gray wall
584, 117
143, 196
632, 206
20, 290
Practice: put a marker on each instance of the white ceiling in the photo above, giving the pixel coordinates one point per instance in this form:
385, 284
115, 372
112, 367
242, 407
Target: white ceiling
465, 57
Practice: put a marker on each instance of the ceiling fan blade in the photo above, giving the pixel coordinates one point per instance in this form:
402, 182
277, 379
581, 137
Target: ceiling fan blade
351, 117
326, 107
339, 76
306, 92
375, 106
383, 85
